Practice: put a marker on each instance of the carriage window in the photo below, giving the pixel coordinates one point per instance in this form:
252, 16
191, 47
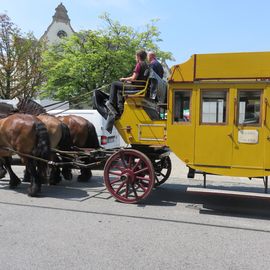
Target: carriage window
182, 106
213, 106
249, 107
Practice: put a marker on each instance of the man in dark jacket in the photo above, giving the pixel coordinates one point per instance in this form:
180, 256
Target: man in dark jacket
154, 64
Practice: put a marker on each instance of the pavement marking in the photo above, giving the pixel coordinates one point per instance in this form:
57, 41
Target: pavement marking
139, 217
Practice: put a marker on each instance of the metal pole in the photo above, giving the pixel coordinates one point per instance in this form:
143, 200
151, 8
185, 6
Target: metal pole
265, 184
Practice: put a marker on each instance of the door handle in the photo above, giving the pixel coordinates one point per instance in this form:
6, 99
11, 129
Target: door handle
235, 112
230, 135
265, 112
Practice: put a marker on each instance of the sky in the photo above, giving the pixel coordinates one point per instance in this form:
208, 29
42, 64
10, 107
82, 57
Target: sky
187, 26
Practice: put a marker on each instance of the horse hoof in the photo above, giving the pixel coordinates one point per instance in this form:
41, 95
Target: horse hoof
14, 183
2, 173
33, 191
67, 174
54, 181
82, 178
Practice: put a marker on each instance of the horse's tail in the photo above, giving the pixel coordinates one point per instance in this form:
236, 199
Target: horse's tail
65, 144
66, 140
43, 146
92, 138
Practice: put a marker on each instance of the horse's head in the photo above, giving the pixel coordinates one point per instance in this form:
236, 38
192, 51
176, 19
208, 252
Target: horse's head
6, 109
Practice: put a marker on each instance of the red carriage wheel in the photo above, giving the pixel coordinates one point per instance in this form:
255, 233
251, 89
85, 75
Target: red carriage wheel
129, 176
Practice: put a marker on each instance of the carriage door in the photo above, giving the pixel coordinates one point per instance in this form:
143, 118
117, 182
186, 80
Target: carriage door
248, 150
213, 144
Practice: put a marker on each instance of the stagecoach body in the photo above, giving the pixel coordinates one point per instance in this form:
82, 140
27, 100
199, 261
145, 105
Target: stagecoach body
216, 118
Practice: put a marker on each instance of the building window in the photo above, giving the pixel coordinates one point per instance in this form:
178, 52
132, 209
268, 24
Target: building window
182, 111
249, 107
214, 106
61, 34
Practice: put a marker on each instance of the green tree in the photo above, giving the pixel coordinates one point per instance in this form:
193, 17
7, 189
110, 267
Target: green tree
91, 59
20, 61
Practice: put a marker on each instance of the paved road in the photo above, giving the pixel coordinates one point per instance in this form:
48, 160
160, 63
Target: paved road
80, 226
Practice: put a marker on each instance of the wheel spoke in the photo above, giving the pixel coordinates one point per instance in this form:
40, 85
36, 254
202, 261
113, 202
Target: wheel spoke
158, 163
118, 167
127, 189
115, 173
123, 160
129, 161
135, 192
141, 186
162, 174
137, 164
119, 188
115, 181
140, 171
143, 178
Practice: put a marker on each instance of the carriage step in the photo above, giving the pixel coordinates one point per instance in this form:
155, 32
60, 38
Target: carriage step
220, 192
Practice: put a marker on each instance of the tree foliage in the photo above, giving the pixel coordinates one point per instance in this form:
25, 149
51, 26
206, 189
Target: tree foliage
20, 61
91, 59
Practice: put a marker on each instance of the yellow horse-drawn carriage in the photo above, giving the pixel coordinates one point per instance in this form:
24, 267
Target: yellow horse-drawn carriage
215, 116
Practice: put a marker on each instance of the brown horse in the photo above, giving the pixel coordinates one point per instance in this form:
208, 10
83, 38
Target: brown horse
59, 138
58, 133
83, 135
27, 135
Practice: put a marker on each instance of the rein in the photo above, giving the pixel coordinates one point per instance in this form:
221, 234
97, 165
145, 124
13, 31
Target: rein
30, 106
52, 163
78, 103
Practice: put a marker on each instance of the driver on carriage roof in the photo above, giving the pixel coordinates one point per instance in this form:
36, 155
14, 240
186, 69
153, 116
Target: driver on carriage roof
139, 73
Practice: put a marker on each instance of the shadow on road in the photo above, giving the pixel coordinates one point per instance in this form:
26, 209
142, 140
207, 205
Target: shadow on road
167, 195
220, 204
70, 190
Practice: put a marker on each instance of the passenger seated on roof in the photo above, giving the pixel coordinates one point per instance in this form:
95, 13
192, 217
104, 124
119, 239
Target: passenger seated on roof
154, 64
157, 76
115, 103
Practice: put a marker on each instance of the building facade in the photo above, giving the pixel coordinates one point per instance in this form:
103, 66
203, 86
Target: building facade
60, 26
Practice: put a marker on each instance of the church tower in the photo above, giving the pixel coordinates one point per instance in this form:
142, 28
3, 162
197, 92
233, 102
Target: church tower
60, 26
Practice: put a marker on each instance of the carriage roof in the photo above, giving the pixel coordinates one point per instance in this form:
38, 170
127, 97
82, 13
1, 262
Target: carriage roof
223, 66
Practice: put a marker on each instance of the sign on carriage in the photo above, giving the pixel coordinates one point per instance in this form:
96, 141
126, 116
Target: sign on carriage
248, 136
